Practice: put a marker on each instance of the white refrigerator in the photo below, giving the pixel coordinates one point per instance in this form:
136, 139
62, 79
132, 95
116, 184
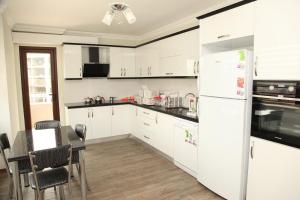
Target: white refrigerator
225, 86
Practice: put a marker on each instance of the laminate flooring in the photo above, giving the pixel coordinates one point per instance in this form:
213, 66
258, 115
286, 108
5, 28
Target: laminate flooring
126, 169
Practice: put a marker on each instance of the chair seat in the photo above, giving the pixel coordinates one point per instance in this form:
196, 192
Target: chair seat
50, 178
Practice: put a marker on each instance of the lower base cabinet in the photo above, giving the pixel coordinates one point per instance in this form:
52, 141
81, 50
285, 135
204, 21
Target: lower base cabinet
162, 138
273, 171
96, 119
121, 119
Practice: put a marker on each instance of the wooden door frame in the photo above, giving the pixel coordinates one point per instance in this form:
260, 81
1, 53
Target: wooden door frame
24, 80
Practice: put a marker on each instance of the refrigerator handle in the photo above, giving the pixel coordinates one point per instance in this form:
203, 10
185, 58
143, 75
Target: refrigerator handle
251, 150
255, 66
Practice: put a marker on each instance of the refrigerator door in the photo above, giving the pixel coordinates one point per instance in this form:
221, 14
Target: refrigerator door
221, 145
226, 74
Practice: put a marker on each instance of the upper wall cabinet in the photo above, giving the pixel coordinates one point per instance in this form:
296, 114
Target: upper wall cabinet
147, 60
277, 40
122, 62
72, 59
179, 55
234, 23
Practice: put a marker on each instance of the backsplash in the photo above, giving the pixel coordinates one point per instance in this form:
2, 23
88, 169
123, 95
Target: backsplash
77, 90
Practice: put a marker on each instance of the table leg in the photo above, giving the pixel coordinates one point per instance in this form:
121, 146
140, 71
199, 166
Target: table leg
82, 176
17, 183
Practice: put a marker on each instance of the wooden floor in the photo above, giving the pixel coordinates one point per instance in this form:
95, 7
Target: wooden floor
128, 170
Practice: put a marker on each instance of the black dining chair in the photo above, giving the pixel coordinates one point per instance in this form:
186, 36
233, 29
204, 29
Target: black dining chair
48, 170
47, 124
80, 130
24, 168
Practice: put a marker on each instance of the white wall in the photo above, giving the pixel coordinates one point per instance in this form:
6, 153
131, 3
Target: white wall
7, 84
77, 90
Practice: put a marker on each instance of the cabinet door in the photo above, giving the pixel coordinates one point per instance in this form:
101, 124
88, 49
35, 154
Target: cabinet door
128, 62
101, 122
116, 62
273, 171
172, 66
72, 56
152, 59
191, 53
234, 23
141, 62
121, 120
162, 138
277, 41
81, 116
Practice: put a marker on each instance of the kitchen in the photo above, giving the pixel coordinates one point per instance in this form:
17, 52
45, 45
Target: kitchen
201, 107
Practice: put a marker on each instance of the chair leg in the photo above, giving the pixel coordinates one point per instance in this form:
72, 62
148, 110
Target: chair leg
20, 183
72, 173
42, 197
61, 192
36, 196
87, 184
26, 180
11, 187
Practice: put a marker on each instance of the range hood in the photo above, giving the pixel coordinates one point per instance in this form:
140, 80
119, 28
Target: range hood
94, 68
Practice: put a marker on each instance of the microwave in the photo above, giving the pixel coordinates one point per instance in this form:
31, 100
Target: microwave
95, 70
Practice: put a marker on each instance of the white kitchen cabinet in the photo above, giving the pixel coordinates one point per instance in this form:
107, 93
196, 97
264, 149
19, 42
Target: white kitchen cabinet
162, 138
122, 62
147, 60
97, 120
185, 146
101, 121
80, 116
273, 171
121, 119
231, 24
277, 41
72, 59
179, 55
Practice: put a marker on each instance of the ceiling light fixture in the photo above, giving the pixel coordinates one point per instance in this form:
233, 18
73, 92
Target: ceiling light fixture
116, 8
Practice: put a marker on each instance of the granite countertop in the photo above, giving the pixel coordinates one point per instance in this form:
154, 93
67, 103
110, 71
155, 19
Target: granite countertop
176, 112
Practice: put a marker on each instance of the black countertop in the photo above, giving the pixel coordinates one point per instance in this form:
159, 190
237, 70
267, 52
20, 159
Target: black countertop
176, 112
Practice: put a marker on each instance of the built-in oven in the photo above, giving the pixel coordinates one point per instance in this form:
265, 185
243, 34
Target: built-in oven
276, 111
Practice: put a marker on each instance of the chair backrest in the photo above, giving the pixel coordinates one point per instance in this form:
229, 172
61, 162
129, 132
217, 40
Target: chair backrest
47, 124
80, 130
53, 158
4, 144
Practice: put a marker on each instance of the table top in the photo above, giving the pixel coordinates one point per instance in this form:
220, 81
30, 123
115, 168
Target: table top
34, 140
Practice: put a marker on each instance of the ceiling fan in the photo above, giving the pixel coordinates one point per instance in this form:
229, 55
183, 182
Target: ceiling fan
116, 9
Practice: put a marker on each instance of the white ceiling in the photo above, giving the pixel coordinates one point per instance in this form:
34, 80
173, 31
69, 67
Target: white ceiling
86, 15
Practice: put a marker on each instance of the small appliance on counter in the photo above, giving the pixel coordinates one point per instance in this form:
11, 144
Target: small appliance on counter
171, 100
88, 100
145, 96
98, 99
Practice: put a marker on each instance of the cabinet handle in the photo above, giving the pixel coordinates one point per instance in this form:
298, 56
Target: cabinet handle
198, 67
146, 113
150, 71
146, 137
251, 150
169, 73
223, 36
92, 114
125, 71
146, 124
194, 67
88, 114
255, 66
156, 121
112, 111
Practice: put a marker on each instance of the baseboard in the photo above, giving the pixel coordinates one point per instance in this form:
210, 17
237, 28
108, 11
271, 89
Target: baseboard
107, 139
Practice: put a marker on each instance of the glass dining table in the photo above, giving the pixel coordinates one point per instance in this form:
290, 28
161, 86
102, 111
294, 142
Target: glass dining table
33, 140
